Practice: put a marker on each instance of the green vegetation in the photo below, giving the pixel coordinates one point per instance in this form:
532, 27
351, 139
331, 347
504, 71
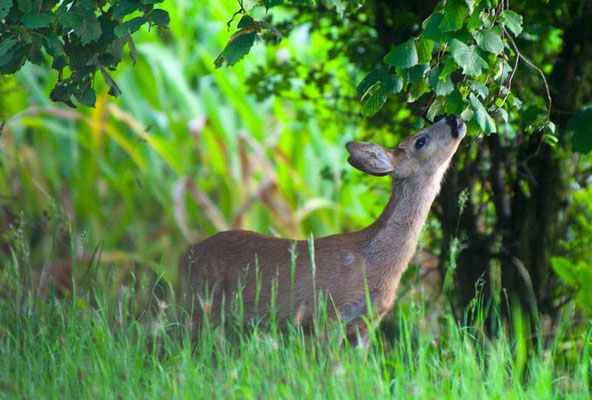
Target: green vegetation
96, 204
95, 346
82, 38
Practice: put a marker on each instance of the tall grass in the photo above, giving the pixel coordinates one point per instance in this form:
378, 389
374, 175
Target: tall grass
136, 342
106, 346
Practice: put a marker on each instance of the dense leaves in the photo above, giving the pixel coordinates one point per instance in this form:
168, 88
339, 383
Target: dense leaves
459, 58
461, 34
81, 37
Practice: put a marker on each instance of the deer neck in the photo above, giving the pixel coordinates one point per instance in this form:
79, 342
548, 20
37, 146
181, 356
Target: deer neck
391, 240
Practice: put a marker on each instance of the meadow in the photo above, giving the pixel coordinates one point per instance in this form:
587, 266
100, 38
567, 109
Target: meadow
95, 345
97, 204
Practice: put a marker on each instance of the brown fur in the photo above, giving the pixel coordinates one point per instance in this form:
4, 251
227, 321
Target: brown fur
345, 264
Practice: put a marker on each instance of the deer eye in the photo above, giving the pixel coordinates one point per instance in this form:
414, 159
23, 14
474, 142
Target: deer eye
419, 143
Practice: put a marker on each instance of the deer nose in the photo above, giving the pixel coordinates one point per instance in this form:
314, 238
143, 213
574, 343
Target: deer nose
454, 121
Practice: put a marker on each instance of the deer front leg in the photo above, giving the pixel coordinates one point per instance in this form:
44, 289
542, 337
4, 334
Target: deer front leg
357, 334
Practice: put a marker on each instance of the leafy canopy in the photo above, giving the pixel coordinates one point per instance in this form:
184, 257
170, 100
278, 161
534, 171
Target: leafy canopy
459, 60
82, 37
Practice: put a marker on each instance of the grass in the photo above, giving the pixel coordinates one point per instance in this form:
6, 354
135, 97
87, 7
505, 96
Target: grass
114, 345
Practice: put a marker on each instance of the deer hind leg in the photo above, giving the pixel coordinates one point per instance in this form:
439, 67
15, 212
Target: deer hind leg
202, 298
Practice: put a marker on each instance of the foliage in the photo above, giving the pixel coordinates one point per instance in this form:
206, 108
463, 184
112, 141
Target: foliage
82, 38
459, 58
575, 268
577, 276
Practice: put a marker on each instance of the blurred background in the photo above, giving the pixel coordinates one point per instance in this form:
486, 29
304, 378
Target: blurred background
95, 196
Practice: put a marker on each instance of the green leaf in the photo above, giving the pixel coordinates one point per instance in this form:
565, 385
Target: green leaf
455, 13
53, 45
130, 26
398, 84
373, 103
376, 95
392, 84
84, 24
61, 93
550, 139
12, 55
441, 85
462, 35
417, 90
124, 7
512, 21
431, 27
578, 276
5, 46
86, 95
481, 17
454, 103
581, 126
449, 66
34, 53
113, 88
132, 48
418, 72
26, 6
35, 21
425, 48
566, 270
436, 108
158, 17
4, 8
245, 21
237, 48
489, 40
403, 56
23, 33
471, 4
486, 123
375, 76
480, 89
272, 3
467, 58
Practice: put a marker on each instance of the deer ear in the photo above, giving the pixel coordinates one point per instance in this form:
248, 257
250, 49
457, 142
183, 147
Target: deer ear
371, 158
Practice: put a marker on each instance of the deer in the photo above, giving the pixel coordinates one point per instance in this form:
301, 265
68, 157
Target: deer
356, 271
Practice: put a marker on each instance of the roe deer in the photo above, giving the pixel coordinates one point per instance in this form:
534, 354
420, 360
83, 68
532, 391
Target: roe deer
346, 266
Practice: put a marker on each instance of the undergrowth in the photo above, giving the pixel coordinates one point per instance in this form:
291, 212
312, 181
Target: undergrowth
97, 343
